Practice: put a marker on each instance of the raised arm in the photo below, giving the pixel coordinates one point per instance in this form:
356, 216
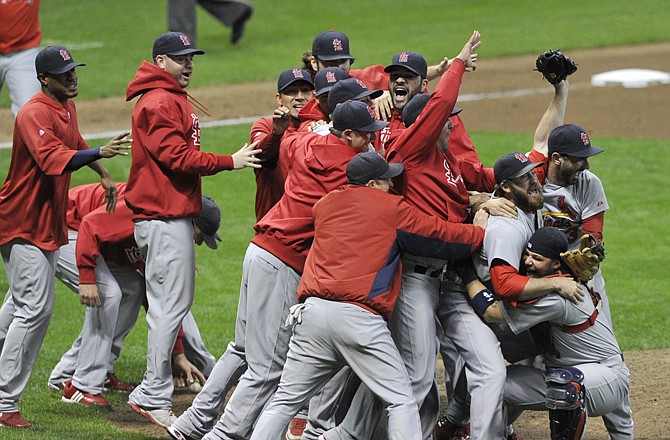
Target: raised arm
552, 117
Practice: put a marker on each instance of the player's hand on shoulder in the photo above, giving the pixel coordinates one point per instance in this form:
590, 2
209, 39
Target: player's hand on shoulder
246, 157
481, 219
500, 207
569, 289
383, 106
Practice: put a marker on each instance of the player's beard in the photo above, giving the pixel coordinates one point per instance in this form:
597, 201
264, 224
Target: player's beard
525, 201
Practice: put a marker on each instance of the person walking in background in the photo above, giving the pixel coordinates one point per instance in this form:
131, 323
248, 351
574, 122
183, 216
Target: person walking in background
231, 13
20, 38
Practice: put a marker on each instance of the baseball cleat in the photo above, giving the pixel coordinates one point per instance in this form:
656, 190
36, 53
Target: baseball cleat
177, 434
162, 417
445, 430
113, 383
72, 394
13, 420
296, 428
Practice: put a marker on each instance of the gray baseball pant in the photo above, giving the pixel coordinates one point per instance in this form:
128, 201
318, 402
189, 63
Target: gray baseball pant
607, 394
181, 14
333, 334
24, 316
17, 70
170, 284
268, 290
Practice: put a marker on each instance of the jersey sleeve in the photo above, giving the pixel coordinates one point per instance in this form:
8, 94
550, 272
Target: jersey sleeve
592, 195
525, 315
169, 146
429, 236
261, 131
417, 141
537, 157
48, 151
504, 240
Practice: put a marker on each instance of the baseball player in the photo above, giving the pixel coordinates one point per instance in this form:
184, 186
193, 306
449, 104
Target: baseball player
47, 147
164, 193
108, 274
181, 16
316, 111
585, 372
350, 282
20, 38
276, 258
434, 182
497, 265
294, 91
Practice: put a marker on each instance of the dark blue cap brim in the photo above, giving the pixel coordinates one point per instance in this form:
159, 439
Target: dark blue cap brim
65, 68
374, 126
186, 52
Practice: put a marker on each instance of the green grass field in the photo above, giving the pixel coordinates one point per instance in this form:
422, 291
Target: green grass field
112, 37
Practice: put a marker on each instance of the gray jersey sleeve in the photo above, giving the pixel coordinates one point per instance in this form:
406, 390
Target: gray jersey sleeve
549, 308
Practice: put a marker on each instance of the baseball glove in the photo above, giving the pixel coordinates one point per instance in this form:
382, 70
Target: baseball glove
585, 261
555, 66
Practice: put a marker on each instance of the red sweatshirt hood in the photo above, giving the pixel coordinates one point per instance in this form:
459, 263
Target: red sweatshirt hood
312, 112
150, 77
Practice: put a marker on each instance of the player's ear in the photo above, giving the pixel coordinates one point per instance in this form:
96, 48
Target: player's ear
314, 63
424, 85
278, 97
556, 158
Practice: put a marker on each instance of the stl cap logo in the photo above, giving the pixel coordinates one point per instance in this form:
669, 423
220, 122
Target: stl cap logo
330, 77
337, 45
297, 73
585, 138
521, 157
184, 39
372, 112
360, 83
65, 55
403, 58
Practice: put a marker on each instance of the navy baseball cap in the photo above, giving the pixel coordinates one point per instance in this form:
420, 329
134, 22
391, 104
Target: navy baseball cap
331, 45
350, 89
412, 61
356, 115
325, 79
512, 166
416, 105
548, 242
209, 222
290, 76
174, 43
571, 140
55, 60
368, 166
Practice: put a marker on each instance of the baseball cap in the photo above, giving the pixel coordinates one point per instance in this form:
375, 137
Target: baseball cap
571, 140
55, 60
512, 166
350, 89
209, 222
369, 166
290, 76
416, 105
331, 45
325, 79
174, 43
548, 242
356, 115
409, 60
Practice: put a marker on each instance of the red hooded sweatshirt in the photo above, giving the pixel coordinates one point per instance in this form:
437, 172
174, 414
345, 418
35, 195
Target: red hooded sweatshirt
164, 179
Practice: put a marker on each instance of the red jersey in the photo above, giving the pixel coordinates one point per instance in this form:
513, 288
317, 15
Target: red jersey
83, 199
359, 235
437, 182
318, 166
271, 177
164, 179
33, 200
110, 235
373, 77
20, 25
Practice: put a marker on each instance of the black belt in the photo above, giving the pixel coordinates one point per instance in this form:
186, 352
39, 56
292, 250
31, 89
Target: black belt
423, 270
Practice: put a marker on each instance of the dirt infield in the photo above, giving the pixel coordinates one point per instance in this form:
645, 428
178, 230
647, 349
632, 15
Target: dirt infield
503, 95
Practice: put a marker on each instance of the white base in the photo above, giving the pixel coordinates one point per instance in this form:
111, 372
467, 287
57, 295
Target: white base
630, 78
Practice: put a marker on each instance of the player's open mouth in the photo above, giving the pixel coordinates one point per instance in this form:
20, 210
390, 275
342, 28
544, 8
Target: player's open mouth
400, 93
533, 192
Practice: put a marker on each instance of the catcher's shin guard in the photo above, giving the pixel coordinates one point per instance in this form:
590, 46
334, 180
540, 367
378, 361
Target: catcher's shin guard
566, 400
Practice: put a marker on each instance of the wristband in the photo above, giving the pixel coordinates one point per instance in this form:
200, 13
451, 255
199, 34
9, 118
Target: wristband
482, 301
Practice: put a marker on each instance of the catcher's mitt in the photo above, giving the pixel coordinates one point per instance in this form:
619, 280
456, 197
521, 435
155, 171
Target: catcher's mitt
555, 66
585, 261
